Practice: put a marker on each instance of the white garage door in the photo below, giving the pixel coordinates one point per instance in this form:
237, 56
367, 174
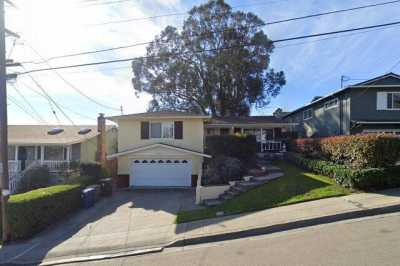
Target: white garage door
161, 173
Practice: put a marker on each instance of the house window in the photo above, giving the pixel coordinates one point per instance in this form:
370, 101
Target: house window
163, 130
388, 101
307, 114
54, 153
331, 104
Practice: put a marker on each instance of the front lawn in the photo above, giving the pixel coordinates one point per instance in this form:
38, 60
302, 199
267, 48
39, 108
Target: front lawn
294, 186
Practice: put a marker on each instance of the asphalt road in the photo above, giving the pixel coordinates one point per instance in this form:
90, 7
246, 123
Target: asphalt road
367, 241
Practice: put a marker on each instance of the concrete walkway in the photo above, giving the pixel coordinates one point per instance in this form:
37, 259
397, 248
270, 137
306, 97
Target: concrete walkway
159, 234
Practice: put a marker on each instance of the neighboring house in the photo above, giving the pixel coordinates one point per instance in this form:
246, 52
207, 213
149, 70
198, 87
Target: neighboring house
270, 131
370, 106
32, 144
160, 149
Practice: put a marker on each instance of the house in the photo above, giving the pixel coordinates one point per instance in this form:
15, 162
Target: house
369, 106
160, 149
270, 131
32, 144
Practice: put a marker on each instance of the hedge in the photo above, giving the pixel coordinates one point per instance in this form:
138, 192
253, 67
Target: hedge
357, 151
31, 212
365, 179
243, 147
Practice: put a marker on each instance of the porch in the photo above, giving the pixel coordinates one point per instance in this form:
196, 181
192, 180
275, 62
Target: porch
269, 139
56, 157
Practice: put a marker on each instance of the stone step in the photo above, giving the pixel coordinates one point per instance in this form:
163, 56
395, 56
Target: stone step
212, 202
225, 197
239, 189
273, 169
248, 183
233, 192
267, 178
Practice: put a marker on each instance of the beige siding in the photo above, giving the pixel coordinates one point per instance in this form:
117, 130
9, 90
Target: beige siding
129, 135
89, 147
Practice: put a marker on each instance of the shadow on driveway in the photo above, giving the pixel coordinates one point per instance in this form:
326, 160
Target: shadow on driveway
128, 219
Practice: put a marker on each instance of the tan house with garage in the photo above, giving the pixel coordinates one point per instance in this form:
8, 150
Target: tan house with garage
160, 149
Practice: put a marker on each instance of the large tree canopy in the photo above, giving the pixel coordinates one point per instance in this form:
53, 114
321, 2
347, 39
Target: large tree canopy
217, 64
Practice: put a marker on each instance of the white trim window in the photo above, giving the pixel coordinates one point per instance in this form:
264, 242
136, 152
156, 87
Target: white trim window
331, 104
307, 114
388, 101
162, 130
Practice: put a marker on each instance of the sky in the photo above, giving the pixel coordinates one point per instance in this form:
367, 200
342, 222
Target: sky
49, 28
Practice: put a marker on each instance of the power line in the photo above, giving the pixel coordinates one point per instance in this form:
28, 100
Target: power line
247, 5
61, 105
209, 50
28, 103
71, 85
14, 101
216, 31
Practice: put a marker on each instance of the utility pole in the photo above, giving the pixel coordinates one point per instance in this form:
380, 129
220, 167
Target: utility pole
3, 125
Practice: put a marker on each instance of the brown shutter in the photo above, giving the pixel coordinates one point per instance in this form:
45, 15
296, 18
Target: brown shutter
178, 129
144, 130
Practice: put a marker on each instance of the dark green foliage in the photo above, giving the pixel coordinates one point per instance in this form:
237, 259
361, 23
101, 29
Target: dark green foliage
221, 81
365, 179
223, 169
243, 147
83, 180
31, 212
92, 172
33, 178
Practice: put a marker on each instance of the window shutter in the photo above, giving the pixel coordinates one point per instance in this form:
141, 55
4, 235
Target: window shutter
178, 129
144, 130
382, 103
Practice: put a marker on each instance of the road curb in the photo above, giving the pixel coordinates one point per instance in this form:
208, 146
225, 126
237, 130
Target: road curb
284, 226
96, 257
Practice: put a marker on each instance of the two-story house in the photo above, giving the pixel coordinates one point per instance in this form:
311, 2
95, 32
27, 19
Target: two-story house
369, 106
160, 149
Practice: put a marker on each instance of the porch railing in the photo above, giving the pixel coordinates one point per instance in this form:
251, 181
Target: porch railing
273, 146
56, 166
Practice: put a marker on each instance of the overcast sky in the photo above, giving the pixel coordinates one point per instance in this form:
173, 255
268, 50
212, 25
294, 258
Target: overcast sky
60, 27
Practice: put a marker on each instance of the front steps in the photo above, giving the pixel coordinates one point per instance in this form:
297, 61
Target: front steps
243, 186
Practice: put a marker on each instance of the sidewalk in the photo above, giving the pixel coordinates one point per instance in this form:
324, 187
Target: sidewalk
216, 229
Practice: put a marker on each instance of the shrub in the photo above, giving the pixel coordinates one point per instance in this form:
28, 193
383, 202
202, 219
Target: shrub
83, 180
223, 169
31, 212
362, 151
357, 151
310, 147
243, 147
33, 178
366, 179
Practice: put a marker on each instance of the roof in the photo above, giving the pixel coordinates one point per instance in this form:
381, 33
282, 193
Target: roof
361, 84
243, 121
161, 114
147, 147
246, 119
37, 134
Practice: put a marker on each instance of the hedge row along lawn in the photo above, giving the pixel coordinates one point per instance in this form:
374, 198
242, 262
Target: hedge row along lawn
294, 186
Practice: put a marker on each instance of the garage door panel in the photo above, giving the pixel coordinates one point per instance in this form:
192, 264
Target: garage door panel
173, 174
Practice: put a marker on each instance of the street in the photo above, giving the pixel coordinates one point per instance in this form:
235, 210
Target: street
367, 241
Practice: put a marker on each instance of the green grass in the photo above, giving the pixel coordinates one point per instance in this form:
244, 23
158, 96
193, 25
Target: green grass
294, 186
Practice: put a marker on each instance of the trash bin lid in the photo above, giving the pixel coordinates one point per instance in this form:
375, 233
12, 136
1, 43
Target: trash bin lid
86, 190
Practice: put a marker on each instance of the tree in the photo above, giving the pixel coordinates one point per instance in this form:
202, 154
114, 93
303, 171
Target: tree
217, 64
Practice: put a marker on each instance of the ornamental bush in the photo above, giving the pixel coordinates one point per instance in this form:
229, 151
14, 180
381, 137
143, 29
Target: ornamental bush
34, 178
365, 179
31, 212
362, 151
356, 151
223, 169
243, 147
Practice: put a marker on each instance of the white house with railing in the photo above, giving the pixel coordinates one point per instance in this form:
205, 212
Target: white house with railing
32, 145
270, 131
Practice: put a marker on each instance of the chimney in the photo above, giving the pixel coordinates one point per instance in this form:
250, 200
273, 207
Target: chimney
101, 139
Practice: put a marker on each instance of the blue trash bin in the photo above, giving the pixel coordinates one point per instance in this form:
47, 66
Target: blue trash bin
88, 197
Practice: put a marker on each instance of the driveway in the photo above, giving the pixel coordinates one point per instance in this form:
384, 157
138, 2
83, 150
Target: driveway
127, 220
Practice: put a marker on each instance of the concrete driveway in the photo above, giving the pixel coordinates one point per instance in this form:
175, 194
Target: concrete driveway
127, 220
